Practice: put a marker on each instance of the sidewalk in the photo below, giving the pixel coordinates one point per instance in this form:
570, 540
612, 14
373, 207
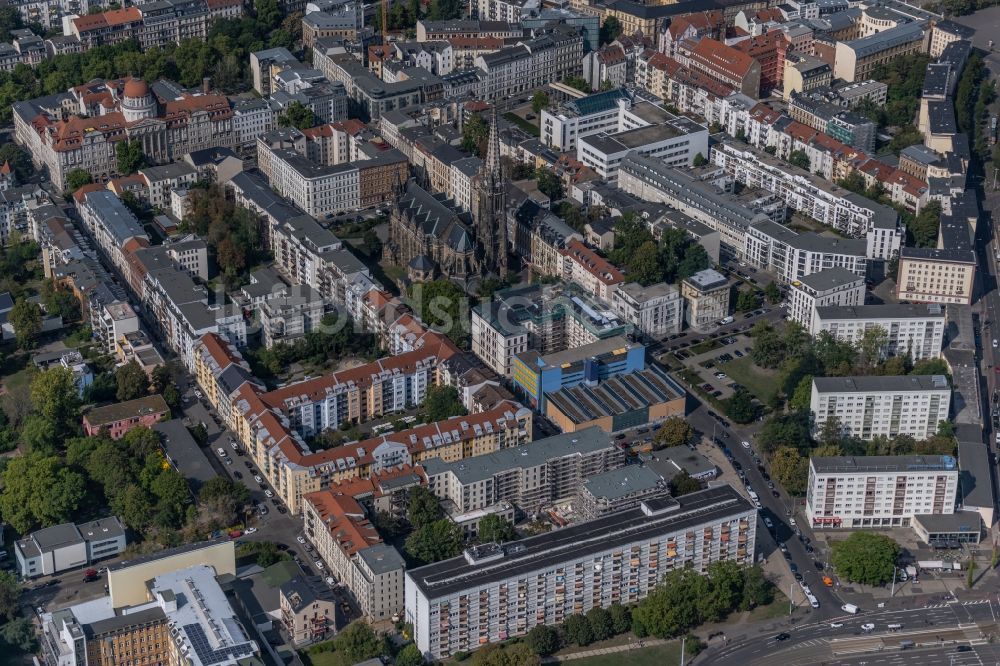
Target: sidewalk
633, 645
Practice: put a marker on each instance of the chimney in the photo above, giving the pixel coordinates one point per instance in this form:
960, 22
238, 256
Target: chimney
206, 85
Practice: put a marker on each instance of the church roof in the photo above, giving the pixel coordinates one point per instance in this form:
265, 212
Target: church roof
435, 216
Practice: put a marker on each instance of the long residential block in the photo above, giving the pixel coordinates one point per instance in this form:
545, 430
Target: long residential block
495, 592
879, 491
917, 330
867, 407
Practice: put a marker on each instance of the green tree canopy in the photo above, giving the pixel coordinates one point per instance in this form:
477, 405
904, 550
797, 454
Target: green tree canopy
435, 541
741, 408
298, 116
543, 640
865, 557
40, 491
26, 318
790, 469
800, 159
442, 304
577, 630
496, 529
132, 381
475, 133
77, 178
539, 101
423, 507
684, 484
130, 156
675, 431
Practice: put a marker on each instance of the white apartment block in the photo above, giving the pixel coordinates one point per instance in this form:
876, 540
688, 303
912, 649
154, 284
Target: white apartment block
917, 330
611, 111
849, 213
162, 180
656, 310
495, 592
879, 491
320, 191
867, 407
792, 256
834, 286
674, 143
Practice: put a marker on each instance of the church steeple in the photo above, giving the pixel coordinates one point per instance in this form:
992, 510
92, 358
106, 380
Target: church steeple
491, 221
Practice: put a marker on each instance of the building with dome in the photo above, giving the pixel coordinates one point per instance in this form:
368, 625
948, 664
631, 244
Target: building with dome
81, 129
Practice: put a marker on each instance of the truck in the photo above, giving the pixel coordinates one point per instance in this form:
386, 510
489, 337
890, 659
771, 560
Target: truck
726, 320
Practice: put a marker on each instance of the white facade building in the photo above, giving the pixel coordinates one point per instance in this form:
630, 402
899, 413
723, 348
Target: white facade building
493, 592
879, 491
656, 310
833, 286
917, 330
675, 143
792, 256
867, 407
320, 191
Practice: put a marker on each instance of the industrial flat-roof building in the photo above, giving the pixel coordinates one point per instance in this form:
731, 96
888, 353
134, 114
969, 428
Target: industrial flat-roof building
495, 592
879, 491
68, 546
867, 407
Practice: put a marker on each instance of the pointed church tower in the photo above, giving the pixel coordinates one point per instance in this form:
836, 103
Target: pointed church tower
491, 221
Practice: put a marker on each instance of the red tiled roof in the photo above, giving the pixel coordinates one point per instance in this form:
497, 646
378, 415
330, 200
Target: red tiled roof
716, 55
107, 19
593, 263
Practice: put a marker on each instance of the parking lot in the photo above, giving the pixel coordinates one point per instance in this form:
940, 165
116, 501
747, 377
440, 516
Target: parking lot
707, 364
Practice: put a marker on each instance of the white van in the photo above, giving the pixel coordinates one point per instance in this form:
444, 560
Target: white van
849, 608
813, 601
726, 320
894, 627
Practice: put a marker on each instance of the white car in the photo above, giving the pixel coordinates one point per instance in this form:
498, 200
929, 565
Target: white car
221, 451
746, 444
768, 523
258, 479
300, 539
791, 521
836, 625
232, 443
331, 581
319, 564
867, 627
268, 493
197, 393
995, 343
250, 530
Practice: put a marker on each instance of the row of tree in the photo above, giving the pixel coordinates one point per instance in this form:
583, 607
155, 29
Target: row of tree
434, 537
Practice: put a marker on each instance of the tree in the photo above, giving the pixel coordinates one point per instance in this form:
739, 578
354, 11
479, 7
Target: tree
10, 595
906, 136
372, 244
671, 608
684, 484
768, 348
26, 318
699, 160
757, 589
610, 30
872, 346
621, 618
130, 156
475, 132
298, 116
578, 82
577, 630
790, 469
601, 625
549, 184
409, 656
785, 430
441, 307
224, 493
132, 381
931, 366
423, 507
496, 529
740, 407
40, 491
435, 541
516, 654
802, 396
55, 397
799, 158
747, 300
539, 101
772, 293
644, 265
543, 640
442, 402
18, 635
865, 557
675, 431
59, 300
77, 178
39, 435
725, 591
924, 228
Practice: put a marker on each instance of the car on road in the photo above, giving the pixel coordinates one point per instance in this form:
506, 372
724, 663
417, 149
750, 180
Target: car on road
745, 444
268, 493
775, 493
256, 477
237, 474
232, 443
827, 581
250, 530
996, 343
221, 451
794, 567
768, 523
319, 565
782, 637
836, 625
197, 394
868, 627
963, 648
797, 576
331, 581
738, 353
300, 539
791, 521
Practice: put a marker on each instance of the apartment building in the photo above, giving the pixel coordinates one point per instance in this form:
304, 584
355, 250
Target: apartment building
307, 616
831, 287
319, 190
706, 298
286, 319
546, 318
530, 477
495, 592
944, 33
856, 59
592, 272
791, 256
610, 111
337, 525
936, 275
913, 330
866, 407
879, 491
849, 213
652, 180
618, 490
553, 55
725, 64
656, 310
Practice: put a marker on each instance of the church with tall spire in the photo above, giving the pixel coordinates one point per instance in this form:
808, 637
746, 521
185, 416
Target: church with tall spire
491, 209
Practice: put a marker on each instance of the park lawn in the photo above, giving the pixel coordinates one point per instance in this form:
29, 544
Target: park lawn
526, 125
760, 382
656, 655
